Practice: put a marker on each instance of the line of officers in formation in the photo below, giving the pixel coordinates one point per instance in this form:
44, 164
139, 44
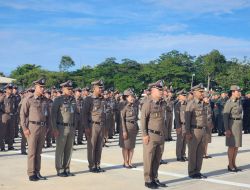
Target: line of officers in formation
46, 116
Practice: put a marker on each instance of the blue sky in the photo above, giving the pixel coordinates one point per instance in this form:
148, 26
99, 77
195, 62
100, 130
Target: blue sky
41, 31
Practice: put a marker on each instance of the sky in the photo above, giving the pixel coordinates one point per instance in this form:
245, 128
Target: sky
42, 31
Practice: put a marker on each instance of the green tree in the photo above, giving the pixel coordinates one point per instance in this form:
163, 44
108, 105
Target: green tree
65, 63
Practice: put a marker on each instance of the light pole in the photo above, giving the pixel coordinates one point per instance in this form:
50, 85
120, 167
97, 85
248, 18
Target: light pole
192, 80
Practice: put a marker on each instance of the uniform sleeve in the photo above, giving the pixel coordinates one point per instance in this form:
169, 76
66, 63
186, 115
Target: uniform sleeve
145, 111
177, 115
226, 115
123, 120
24, 114
54, 112
87, 113
188, 117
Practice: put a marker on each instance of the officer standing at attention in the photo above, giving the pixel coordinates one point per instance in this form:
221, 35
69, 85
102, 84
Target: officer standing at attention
63, 122
232, 115
195, 123
152, 125
129, 117
79, 125
8, 109
94, 121
179, 110
34, 117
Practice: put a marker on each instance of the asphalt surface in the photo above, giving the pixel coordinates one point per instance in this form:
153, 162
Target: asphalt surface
13, 168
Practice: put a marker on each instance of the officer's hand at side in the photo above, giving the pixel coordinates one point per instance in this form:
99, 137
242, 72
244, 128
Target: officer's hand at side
26, 133
56, 133
88, 132
228, 133
188, 136
146, 139
178, 130
125, 135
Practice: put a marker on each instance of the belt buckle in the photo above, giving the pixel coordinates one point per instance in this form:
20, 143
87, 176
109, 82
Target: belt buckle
42, 123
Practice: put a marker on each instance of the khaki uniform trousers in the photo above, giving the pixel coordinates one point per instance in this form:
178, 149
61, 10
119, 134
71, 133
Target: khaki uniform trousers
152, 154
181, 145
36, 141
64, 147
196, 147
94, 145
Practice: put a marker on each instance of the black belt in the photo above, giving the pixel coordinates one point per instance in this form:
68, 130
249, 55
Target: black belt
235, 118
133, 122
41, 123
182, 123
9, 113
155, 132
66, 124
97, 123
197, 127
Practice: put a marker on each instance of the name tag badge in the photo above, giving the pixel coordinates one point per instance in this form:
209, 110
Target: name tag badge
71, 109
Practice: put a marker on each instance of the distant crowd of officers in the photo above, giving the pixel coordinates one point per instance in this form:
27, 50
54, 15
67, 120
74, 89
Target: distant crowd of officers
69, 116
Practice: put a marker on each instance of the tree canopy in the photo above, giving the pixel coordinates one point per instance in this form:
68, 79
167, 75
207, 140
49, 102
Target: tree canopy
173, 67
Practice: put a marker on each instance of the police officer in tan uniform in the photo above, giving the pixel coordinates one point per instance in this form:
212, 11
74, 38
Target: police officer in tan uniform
153, 132
34, 117
49, 134
129, 117
232, 115
94, 121
179, 110
8, 108
209, 125
195, 124
63, 122
79, 115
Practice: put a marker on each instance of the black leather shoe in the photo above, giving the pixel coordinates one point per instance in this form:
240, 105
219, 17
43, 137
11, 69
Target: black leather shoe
158, 183
195, 176
69, 174
62, 174
180, 159
237, 169
202, 176
231, 169
40, 177
151, 185
163, 162
33, 178
93, 170
11, 148
79, 143
99, 169
24, 153
2, 149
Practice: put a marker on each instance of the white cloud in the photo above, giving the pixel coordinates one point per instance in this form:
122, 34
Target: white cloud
48, 5
44, 48
202, 6
172, 27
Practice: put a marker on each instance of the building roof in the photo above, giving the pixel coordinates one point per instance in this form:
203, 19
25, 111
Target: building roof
5, 80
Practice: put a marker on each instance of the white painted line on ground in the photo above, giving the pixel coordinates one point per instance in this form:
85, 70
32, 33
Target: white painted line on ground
217, 181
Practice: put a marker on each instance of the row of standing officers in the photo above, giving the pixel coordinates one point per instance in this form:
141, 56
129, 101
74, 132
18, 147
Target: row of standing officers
193, 118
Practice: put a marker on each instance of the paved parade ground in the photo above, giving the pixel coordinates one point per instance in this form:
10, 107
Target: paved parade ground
174, 174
